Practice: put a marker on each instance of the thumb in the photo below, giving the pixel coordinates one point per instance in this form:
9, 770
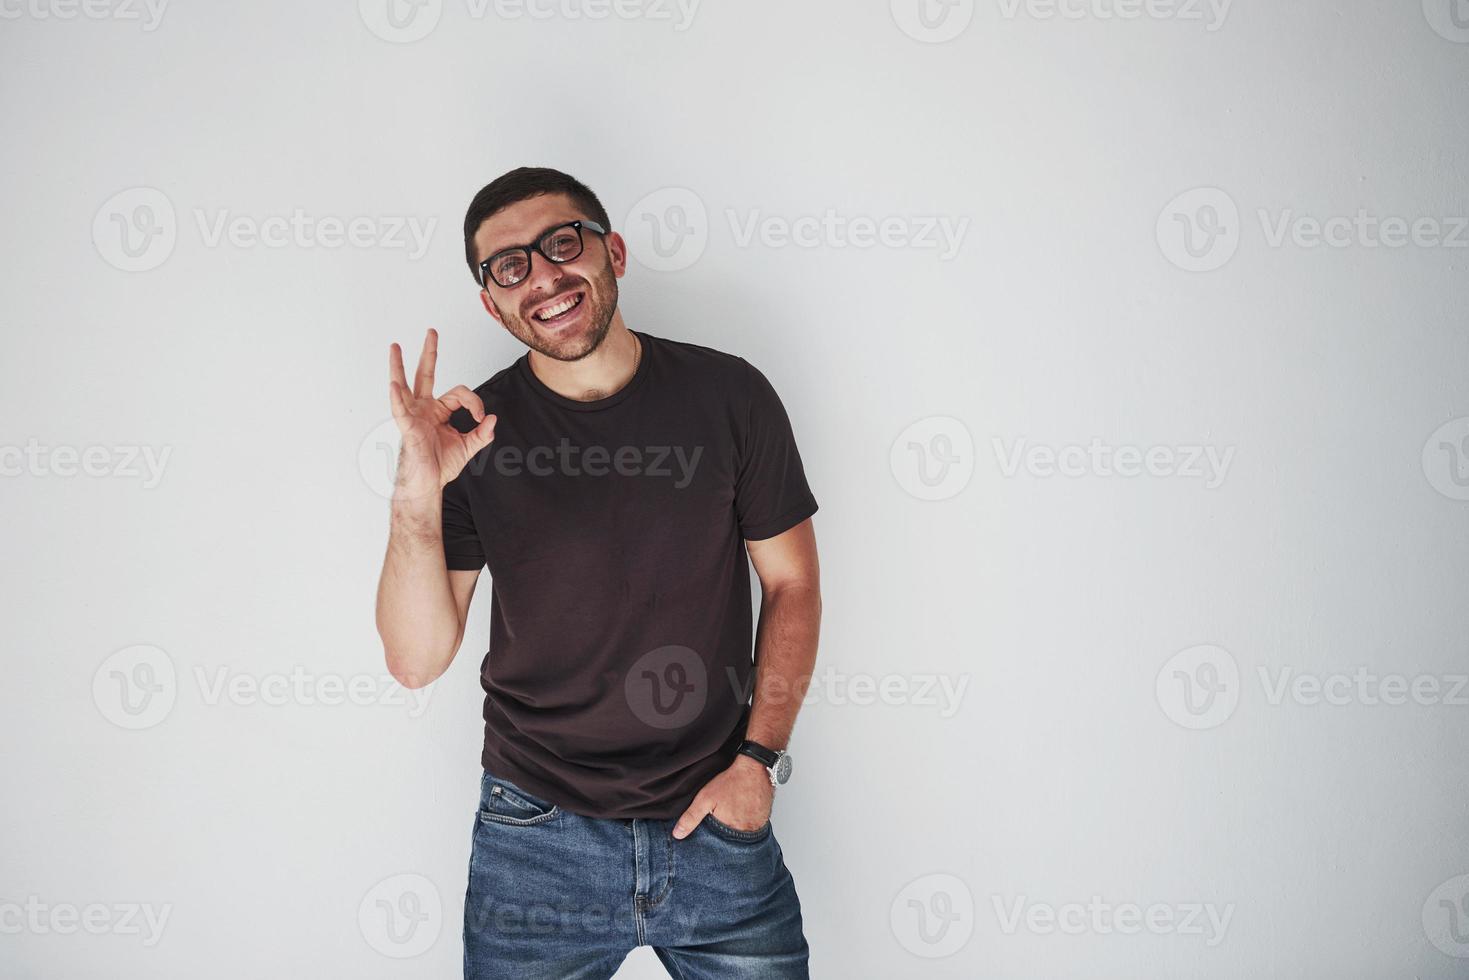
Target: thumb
482, 434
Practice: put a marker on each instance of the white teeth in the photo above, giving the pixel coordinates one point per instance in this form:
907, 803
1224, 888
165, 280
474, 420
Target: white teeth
556, 310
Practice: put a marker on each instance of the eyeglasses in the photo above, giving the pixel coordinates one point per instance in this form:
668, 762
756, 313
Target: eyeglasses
510, 266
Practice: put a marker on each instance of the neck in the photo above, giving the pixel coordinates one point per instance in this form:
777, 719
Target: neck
600, 374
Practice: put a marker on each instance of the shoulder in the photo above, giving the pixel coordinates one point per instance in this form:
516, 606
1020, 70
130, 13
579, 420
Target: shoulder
696, 357
500, 383
720, 371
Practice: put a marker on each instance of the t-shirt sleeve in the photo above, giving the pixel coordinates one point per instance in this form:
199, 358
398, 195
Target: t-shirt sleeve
771, 493
462, 548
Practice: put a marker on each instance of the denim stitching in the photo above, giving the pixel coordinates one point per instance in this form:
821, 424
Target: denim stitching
740, 836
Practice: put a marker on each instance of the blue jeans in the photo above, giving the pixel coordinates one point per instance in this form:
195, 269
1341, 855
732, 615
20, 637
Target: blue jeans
554, 894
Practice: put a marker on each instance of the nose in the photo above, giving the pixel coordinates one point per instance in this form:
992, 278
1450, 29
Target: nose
544, 278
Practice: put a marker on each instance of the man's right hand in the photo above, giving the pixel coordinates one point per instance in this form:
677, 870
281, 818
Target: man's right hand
434, 452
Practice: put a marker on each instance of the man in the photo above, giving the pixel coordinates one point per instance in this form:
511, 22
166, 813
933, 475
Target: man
612, 482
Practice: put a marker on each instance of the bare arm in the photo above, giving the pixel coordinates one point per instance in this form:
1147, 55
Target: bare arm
786, 638
422, 605
785, 656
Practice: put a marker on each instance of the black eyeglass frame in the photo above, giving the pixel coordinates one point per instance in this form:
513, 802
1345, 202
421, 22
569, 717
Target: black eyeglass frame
484, 267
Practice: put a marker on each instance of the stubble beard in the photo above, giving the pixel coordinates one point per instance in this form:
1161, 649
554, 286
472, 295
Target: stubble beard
601, 294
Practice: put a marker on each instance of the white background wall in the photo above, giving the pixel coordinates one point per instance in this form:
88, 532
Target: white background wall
1091, 753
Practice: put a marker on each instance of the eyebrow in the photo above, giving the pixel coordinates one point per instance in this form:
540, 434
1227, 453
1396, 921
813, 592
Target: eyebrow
539, 235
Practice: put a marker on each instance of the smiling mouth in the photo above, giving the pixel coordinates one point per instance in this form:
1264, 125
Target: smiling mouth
559, 310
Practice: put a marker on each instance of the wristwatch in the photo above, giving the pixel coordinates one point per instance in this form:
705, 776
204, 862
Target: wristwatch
777, 762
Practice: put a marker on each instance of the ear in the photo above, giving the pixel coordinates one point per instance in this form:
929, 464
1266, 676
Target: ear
484, 297
617, 252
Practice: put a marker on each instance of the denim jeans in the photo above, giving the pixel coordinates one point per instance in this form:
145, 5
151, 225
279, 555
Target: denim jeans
554, 894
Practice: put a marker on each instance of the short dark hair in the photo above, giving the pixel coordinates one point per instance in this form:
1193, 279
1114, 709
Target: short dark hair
521, 184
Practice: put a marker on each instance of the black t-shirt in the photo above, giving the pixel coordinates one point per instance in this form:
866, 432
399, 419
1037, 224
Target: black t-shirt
619, 671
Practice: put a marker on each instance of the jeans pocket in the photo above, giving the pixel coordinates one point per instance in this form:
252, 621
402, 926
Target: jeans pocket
737, 836
501, 801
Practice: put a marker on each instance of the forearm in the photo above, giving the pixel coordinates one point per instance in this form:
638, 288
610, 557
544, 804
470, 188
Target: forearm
416, 613
785, 657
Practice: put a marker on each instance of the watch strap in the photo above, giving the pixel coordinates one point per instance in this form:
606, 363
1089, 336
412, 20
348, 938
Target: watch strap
765, 756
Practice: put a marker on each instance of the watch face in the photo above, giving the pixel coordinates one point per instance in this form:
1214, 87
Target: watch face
782, 768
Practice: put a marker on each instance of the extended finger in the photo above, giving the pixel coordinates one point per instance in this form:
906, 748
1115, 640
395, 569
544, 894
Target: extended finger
395, 365
423, 380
